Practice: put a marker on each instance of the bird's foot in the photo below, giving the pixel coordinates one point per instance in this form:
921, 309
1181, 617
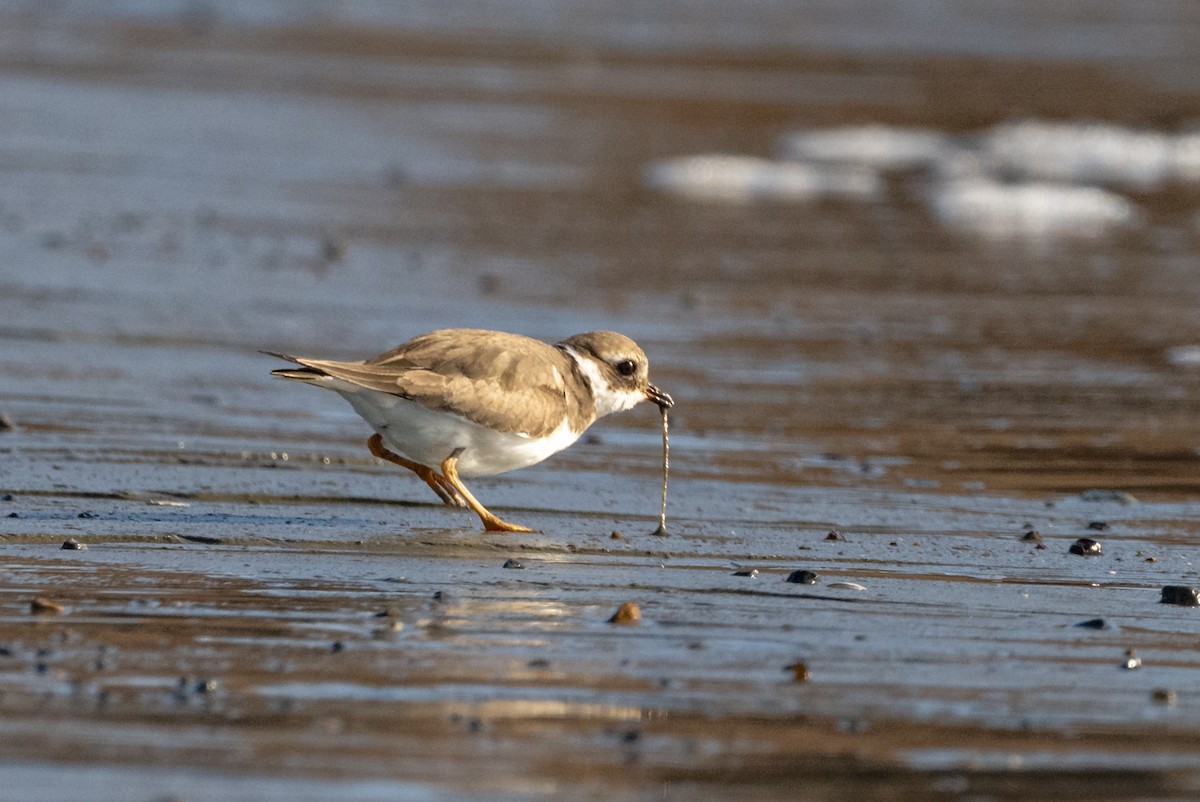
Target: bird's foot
493, 524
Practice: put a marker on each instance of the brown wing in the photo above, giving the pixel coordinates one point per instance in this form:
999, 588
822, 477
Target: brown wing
491, 378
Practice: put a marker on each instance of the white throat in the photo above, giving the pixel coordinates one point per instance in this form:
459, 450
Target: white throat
606, 398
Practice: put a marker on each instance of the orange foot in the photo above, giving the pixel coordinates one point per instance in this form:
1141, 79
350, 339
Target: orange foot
490, 522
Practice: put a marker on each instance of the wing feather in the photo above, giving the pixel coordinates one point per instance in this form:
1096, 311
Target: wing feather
491, 378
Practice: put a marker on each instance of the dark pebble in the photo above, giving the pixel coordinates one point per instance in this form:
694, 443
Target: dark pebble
1032, 536
1093, 623
71, 544
6, 424
538, 663
750, 572
14, 515
8, 497
333, 250
86, 514
802, 578
511, 563
1164, 696
616, 535
1086, 547
1182, 595
834, 536
337, 646
1098, 526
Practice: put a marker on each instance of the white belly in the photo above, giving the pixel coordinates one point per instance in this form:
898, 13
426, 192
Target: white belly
430, 437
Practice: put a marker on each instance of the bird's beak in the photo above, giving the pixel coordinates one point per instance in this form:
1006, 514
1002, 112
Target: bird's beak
656, 395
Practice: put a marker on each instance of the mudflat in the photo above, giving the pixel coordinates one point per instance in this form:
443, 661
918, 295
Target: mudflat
213, 591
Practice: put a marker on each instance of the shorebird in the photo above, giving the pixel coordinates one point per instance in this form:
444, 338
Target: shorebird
470, 402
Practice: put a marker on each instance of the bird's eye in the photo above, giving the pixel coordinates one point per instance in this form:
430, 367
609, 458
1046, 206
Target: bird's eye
627, 367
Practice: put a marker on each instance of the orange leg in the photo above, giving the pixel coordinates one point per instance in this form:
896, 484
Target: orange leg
446, 491
490, 522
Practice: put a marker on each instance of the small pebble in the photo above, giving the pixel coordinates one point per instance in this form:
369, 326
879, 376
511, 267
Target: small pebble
1086, 547
87, 514
1093, 623
751, 572
1032, 536
846, 586
333, 250
6, 424
1131, 661
1098, 526
337, 646
1164, 696
71, 544
627, 613
616, 535
511, 563
799, 671
41, 606
835, 535
1181, 595
802, 578
8, 497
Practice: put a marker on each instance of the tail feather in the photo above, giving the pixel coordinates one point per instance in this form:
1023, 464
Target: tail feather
304, 373
340, 376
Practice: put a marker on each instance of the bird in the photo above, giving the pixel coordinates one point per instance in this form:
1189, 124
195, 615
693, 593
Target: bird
473, 402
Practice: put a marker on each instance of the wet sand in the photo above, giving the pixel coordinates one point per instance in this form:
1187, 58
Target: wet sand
264, 611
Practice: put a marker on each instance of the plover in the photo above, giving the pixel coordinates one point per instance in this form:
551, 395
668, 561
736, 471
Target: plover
470, 402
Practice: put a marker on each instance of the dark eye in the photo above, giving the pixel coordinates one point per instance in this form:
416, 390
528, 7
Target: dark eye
627, 368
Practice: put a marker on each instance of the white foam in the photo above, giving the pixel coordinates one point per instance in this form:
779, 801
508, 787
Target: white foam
1184, 356
1028, 179
982, 205
719, 177
1092, 153
879, 147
